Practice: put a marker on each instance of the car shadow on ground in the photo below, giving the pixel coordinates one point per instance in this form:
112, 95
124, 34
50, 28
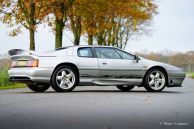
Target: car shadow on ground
102, 91
125, 92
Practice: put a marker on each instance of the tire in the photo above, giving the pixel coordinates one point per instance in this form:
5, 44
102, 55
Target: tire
64, 79
38, 87
125, 88
155, 80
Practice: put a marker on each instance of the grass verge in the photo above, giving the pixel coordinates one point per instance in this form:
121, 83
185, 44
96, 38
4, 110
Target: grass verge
13, 86
5, 83
190, 74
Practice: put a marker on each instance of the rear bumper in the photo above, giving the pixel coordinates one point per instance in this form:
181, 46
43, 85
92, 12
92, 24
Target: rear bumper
26, 75
175, 78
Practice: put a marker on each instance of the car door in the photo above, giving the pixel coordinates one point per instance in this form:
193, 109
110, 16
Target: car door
117, 65
87, 64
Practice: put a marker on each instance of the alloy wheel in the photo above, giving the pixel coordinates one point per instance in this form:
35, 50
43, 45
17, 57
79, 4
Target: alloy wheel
65, 78
156, 80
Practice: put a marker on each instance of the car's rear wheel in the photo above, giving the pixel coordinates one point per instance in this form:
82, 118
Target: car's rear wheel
125, 88
155, 80
38, 87
64, 79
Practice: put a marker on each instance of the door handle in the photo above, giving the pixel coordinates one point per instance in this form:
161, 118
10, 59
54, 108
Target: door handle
104, 63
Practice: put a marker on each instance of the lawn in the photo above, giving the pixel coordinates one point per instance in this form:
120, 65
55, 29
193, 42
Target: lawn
190, 74
13, 86
4, 82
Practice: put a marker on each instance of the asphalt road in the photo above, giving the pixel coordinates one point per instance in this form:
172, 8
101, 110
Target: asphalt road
98, 108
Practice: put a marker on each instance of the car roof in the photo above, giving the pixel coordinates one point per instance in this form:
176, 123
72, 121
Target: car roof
77, 46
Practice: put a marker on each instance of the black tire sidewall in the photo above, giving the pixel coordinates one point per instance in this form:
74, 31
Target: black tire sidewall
38, 87
125, 89
147, 87
54, 84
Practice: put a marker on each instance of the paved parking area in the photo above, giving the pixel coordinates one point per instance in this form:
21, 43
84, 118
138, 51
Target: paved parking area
92, 107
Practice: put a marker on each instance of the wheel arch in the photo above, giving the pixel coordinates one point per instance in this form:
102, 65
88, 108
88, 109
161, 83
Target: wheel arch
154, 67
67, 64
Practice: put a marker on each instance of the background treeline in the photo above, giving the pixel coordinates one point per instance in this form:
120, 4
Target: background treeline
183, 60
103, 22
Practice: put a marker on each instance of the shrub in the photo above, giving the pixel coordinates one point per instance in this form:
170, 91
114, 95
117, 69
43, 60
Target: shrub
4, 66
4, 82
192, 76
4, 78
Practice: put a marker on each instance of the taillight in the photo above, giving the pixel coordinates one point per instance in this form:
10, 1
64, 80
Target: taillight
33, 63
14, 64
25, 63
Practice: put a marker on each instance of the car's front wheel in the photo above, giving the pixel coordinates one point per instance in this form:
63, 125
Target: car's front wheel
155, 80
64, 79
125, 88
38, 87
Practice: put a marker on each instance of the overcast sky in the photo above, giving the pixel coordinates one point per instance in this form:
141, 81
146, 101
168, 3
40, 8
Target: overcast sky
172, 28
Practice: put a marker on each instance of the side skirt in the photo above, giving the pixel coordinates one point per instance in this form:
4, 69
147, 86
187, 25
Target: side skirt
110, 82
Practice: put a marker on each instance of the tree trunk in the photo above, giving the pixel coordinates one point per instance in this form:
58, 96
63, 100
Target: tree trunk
59, 33
59, 13
100, 38
32, 39
78, 33
109, 37
76, 29
77, 39
32, 25
90, 39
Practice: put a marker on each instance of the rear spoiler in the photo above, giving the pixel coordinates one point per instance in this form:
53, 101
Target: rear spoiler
20, 54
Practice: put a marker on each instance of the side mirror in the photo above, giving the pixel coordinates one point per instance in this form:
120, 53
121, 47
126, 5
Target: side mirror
136, 59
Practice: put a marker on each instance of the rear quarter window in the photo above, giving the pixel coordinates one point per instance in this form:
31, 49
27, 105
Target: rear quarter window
85, 52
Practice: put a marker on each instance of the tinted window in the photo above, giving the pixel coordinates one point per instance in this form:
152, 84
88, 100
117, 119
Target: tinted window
107, 53
126, 55
85, 52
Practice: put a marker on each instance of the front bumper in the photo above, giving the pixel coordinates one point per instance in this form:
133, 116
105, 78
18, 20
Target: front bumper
26, 75
175, 78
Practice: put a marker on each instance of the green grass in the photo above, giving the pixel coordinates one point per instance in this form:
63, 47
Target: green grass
5, 83
191, 74
13, 87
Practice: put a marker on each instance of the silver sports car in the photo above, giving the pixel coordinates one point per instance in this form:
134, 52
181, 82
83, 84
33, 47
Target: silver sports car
68, 67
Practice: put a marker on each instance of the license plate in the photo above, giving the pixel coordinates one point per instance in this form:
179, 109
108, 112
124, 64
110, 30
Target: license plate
22, 63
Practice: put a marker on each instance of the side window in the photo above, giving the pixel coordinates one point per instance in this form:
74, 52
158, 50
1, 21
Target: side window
107, 53
125, 55
85, 52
